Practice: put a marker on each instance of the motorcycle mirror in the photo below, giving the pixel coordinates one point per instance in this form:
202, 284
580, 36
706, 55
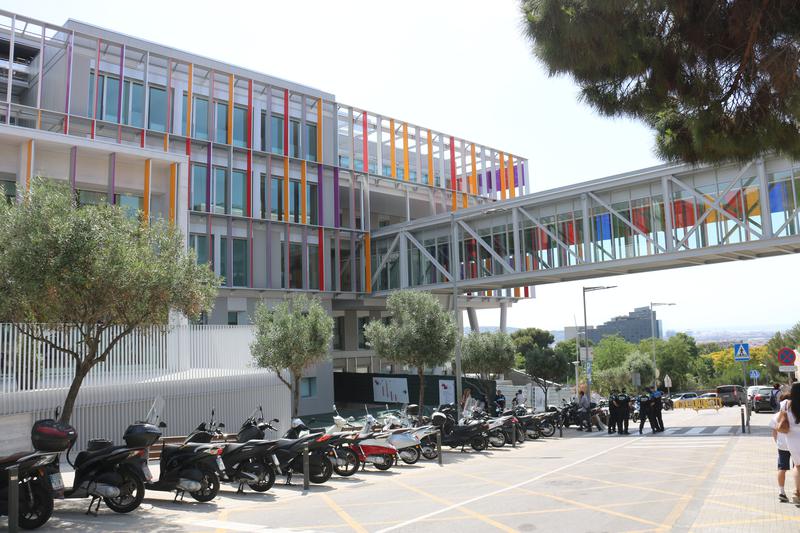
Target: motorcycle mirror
58, 411
162, 424
221, 425
275, 420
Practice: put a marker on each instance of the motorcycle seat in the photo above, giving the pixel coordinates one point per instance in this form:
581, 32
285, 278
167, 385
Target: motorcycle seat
10, 459
86, 455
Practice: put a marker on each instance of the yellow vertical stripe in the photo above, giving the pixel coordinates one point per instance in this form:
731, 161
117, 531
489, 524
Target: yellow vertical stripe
367, 263
405, 151
502, 176
230, 108
510, 180
303, 191
430, 158
516, 292
173, 185
392, 149
29, 165
286, 190
473, 178
319, 130
148, 164
189, 103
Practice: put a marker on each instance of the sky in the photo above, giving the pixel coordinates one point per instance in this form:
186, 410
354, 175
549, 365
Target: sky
465, 67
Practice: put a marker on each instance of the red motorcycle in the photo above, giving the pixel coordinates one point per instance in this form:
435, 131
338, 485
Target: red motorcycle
371, 447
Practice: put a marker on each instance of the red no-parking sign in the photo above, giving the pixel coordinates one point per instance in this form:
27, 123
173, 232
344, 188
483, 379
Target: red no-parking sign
786, 356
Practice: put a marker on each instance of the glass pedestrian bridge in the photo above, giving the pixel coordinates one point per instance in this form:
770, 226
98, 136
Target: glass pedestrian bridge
656, 218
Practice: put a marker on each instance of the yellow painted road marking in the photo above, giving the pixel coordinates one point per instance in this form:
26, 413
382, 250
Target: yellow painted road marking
343, 514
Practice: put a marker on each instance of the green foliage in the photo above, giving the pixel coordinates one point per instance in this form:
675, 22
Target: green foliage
524, 339
420, 333
546, 365
709, 347
91, 268
618, 377
293, 335
611, 352
487, 353
643, 364
717, 80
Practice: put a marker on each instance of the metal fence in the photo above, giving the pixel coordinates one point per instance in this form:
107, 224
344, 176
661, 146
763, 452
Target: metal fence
195, 369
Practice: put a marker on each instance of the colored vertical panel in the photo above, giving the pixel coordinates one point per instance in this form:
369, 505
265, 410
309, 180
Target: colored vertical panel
473, 176
167, 122
778, 198
189, 113
393, 155
319, 133
209, 173
29, 165
337, 215
70, 45
249, 146
148, 164
367, 263
431, 171
96, 87
173, 186
321, 258
286, 189
453, 172
603, 227
364, 142
502, 184
230, 109
320, 198
405, 151
510, 178
303, 198
286, 123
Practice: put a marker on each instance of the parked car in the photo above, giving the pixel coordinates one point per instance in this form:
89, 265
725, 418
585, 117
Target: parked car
709, 395
760, 399
751, 391
732, 395
684, 396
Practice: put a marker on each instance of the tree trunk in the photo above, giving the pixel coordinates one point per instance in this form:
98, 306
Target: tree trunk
81, 370
295, 395
421, 374
545, 397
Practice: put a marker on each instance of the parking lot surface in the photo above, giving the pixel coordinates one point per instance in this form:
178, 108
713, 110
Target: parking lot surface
702, 474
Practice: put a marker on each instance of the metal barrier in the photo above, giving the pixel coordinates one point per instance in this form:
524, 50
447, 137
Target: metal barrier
699, 403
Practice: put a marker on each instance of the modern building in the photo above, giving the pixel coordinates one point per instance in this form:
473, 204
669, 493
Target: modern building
276, 185
633, 327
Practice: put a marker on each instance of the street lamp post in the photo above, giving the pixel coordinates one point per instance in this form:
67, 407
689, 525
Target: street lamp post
653, 334
586, 336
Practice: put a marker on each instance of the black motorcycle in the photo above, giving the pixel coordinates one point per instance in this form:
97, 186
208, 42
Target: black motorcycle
35, 489
474, 434
288, 455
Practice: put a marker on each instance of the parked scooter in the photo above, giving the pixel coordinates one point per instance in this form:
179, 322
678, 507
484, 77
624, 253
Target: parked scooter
474, 434
373, 448
35, 487
405, 442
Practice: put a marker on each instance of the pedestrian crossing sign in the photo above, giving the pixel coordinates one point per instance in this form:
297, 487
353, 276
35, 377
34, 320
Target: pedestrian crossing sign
741, 352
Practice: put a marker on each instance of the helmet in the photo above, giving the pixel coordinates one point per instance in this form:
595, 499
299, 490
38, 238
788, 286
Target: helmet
296, 422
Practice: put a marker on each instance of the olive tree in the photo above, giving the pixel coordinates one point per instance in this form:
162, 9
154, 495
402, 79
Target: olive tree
487, 353
293, 335
94, 269
420, 333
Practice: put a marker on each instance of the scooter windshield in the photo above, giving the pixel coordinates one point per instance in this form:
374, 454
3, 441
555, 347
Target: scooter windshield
156, 411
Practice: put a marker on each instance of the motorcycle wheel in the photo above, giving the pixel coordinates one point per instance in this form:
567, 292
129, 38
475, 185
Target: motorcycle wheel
351, 463
531, 433
388, 461
479, 443
547, 428
410, 455
497, 439
210, 488
131, 493
325, 471
35, 507
429, 452
520, 435
265, 484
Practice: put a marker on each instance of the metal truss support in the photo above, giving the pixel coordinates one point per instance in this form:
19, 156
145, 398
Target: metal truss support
427, 255
485, 246
550, 234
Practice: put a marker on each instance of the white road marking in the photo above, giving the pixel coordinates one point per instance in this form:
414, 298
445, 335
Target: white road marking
505, 489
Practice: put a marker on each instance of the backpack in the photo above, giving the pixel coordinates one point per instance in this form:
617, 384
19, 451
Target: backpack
773, 398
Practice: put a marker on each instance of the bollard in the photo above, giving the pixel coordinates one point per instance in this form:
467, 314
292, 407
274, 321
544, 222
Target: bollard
13, 499
306, 468
560, 429
741, 409
439, 446
514, 437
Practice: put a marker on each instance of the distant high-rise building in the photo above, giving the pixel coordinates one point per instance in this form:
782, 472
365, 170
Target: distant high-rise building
633, 327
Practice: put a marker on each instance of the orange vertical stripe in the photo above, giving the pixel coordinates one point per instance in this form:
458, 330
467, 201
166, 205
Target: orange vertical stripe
367, 263
510, 177
392, 150
173, 185
303, 191
29, 165
405, 151
516, 292
230, 108
430, 158
502, 176
319, 130
147, 169
286, 189
473, 178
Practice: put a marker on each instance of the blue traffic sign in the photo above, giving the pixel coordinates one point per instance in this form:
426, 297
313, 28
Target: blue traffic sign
755, 374
741, 352
786, 356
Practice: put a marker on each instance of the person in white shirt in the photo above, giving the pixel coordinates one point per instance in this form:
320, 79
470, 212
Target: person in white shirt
784, 455
793, 436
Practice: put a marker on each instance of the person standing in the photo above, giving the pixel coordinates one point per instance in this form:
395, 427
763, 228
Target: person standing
657, 406
792, 416
623, 415
784, 455
613, 411
585, 411
500, 401
644, 409
519, 399
774, 397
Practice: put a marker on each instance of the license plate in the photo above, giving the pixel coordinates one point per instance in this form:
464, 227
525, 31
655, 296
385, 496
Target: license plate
220, 464
56, 482
148, 476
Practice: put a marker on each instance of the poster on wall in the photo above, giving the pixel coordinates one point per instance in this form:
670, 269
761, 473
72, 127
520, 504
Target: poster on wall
391, 390
447, 391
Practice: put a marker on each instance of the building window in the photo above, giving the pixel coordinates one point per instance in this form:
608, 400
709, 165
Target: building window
199, 174
294, 138
8, 190
276, 209
157, 113
295, 266
276, 134
263, 127
238, 192
362, 340
240, 262
311, 202
294, 201
233, 318
311, 142
108, 104
199, 243
221, 116
308, 387
130, 204
313, 267
110, 99
240, 126
338, 333
199, 117
220, 189
91, 198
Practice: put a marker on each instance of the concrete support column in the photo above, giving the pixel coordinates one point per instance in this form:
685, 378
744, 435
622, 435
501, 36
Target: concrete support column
763, 198
503, 316
666, 192
472, 315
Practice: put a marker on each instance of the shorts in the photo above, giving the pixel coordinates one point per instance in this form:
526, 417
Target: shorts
783, 459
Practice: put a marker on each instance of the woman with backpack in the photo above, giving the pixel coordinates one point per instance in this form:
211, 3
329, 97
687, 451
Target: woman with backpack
786, 423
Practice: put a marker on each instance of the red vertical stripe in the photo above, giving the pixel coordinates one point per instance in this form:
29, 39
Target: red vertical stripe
364, 141
286, 122
527, 292
453, 164
321, 258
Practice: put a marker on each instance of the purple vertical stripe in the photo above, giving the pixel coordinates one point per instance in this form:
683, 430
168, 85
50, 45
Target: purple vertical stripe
208, 178
336, 213
121, 83
497, 179
320, 198
516, 180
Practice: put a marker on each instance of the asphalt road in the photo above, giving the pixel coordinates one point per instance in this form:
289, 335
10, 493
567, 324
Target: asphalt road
700, 475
